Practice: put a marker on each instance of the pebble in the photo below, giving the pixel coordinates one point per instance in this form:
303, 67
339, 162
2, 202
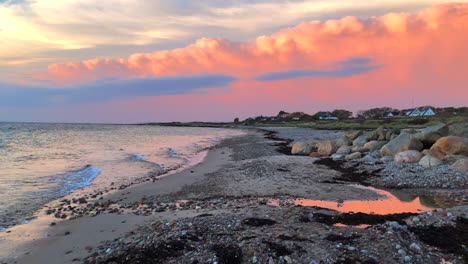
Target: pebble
288, 260
415, 248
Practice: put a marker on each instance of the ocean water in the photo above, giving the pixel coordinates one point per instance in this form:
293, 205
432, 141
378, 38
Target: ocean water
43, 162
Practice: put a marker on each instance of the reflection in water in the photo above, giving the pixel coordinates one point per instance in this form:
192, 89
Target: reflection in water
391, 204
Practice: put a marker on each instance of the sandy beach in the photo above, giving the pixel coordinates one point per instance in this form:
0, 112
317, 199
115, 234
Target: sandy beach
246, 202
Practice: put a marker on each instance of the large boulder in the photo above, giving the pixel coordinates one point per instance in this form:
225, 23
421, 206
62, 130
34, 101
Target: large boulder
429, 161
343, 150
452, 145
327, 148
408, 156
434, 153
459, 129
460, 165
353, 134
375, 145
401, 143
301, 148
344, 141
430, 135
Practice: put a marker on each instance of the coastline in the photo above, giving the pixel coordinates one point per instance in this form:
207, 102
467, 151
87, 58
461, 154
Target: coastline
21, 237
238, 178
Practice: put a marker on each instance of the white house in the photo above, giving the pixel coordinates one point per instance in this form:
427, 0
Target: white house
392, 114
424, 112
428, 112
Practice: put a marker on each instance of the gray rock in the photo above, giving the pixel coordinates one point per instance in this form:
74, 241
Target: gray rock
344, 141
343, 150
430, 135
401, 143
360, 141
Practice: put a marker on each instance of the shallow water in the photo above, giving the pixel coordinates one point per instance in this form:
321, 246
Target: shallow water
388, 204
42, 162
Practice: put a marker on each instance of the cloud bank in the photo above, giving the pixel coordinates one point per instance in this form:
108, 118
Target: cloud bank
106, 90
352, 63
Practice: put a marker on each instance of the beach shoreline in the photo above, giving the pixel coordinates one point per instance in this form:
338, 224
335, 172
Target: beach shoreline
238, 179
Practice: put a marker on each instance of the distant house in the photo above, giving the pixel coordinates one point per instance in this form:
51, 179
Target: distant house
326, 116
421, 112
285, 115
392, 114
428, 112
413, 112
297, 116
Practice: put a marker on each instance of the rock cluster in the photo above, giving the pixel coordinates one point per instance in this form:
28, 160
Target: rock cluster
429, 147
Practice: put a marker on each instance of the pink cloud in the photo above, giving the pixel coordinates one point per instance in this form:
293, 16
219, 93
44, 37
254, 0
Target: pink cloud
423, 56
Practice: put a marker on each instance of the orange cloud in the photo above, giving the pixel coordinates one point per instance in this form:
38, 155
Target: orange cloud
423, 55
387, 39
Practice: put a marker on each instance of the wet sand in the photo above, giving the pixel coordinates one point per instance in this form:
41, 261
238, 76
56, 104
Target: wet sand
230, 181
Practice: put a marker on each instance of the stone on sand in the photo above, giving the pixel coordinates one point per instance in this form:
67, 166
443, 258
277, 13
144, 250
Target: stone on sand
301, 148
429, 161
460, 165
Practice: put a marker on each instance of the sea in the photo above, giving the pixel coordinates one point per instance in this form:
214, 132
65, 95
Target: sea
42, 162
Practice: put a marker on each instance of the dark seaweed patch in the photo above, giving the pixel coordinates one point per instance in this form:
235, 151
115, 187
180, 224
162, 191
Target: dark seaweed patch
450, 239
359, 218
258, 221
228, 254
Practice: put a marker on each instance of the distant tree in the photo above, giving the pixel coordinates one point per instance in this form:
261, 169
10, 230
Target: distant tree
342, 114
374, 113
236, 120
360, 114
282, 113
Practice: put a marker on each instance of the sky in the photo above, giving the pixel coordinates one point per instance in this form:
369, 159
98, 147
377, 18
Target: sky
132, 61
